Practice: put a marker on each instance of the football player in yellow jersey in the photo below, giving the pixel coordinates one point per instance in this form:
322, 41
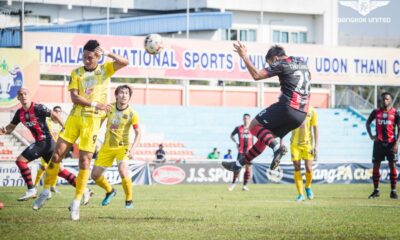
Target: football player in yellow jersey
116, 145
303, 146
88, 89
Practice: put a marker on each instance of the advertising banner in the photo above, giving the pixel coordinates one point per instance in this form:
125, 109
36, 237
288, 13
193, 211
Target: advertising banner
10, 175
322, 173
202, 173
138, 170
204, 59
17, 68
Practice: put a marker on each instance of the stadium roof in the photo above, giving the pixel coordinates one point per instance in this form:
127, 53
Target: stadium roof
132, 26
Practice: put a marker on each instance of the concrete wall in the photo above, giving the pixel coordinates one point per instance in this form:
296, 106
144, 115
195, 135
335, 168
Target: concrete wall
156, 94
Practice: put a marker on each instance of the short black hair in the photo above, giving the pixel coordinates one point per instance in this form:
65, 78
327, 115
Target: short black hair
120, 87
275, 51
387, 93
57, 107
91, 45
246, 115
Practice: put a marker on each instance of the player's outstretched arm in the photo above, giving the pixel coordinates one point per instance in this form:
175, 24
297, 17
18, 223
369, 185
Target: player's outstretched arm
138, 136
119, 61
7, 129
241, 50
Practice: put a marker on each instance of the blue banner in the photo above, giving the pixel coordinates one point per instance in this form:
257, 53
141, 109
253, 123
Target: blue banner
322, 173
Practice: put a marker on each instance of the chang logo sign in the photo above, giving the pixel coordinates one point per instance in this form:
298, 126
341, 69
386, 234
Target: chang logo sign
11, 81
169, 175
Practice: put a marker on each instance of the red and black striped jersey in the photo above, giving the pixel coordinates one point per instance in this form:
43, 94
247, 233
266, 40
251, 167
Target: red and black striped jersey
35, 120
385, 122
245, 138
295, 81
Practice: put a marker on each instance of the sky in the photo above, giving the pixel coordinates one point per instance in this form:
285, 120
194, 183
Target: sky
387, 30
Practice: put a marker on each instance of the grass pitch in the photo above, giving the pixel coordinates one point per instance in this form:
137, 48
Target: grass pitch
208, 212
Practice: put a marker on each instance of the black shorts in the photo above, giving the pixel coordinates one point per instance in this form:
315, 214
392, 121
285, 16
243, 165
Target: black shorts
280, 119
39, 149
383, 150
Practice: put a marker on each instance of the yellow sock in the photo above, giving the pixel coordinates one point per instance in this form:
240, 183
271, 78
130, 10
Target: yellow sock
81, 182
39, 176
104, 184
298, 180
308, 179
51, 175
127, 185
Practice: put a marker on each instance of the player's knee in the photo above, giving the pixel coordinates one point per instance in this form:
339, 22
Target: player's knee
21, 159
56, 158
122, 170
297, 166
42, 167
95, 175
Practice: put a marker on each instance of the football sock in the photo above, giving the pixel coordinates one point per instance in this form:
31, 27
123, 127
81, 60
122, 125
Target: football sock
393, 175
298, 179
51, 175
39, 176
266, 136
254, 151
104, 184
309, 176
376, 175
235, 176
67, 175
127, 185
81, 182
247, 175
26, 173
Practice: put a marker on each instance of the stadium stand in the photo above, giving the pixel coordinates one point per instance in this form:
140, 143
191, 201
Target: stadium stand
10, 147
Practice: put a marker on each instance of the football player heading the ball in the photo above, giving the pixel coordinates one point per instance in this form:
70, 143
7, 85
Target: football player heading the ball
89, 89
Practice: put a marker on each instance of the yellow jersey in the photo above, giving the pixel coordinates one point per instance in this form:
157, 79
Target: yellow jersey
303, 135
93, 86
54, 128
118, 125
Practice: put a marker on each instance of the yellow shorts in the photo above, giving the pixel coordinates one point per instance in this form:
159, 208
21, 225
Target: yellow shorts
84, 128
106, 156
301, 152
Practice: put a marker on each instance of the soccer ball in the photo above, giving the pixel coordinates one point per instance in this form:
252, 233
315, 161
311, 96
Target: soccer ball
153, 43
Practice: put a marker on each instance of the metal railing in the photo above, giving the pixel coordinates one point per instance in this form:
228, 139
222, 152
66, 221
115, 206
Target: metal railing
348, 98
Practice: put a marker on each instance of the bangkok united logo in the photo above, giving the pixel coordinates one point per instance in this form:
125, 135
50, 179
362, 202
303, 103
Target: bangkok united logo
11, 80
